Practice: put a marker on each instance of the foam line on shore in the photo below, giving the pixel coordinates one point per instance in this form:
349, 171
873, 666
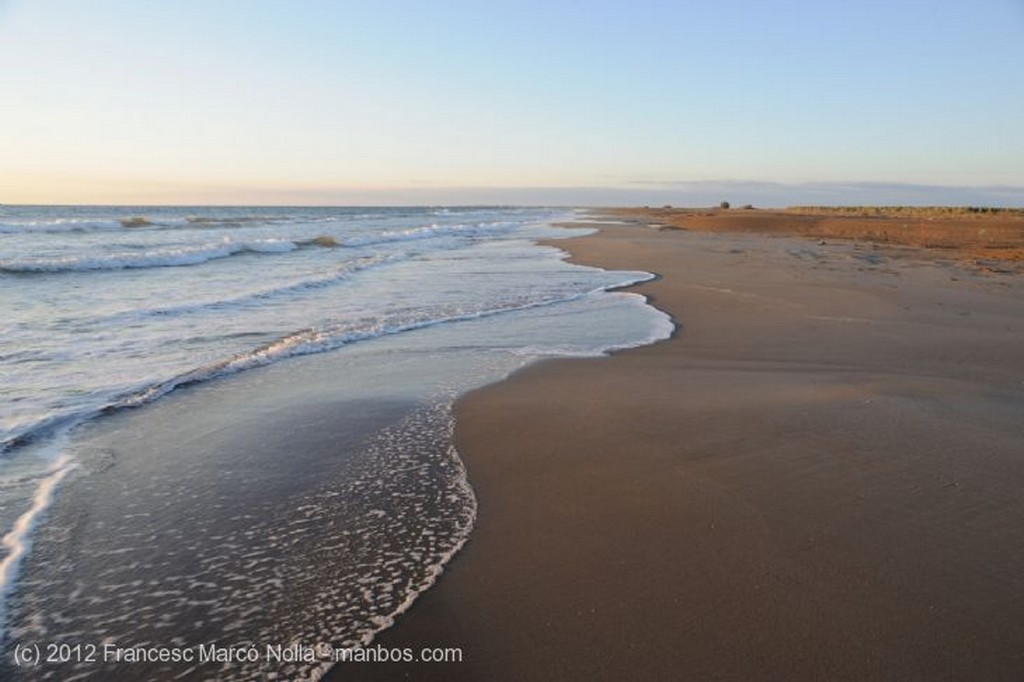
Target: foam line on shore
18, 540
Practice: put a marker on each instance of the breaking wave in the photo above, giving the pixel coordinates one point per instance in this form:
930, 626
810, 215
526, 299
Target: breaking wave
159, 258
58, 226
304, 342
339, 275
310, 341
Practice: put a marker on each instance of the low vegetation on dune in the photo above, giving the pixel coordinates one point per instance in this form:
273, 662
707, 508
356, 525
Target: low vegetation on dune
979, 233
907, 211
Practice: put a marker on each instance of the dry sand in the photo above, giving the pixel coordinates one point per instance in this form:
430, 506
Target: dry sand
818, 478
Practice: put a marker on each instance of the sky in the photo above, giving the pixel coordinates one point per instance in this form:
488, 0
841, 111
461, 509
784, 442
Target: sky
586, 102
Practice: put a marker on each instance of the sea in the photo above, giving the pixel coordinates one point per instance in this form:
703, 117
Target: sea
232, 426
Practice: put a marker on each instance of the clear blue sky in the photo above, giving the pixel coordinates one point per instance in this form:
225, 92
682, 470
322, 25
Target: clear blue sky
600, 101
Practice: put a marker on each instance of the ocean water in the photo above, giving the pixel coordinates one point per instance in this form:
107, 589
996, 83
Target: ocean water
362, 325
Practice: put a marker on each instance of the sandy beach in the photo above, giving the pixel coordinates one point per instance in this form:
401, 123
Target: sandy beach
512, 342
818, 477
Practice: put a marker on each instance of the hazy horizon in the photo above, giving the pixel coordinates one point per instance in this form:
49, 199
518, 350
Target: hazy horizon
695, 194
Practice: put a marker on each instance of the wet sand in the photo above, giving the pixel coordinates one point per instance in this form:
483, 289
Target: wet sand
818, 477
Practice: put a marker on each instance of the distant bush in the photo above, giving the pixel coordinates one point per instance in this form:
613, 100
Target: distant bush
907, 211
748, 207
724, 205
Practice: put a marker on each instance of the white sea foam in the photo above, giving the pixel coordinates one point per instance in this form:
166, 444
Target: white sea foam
662, 326
464, 495
428, 232
659, 327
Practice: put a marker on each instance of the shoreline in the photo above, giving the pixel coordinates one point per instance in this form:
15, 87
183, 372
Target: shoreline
319, 487
788, 488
